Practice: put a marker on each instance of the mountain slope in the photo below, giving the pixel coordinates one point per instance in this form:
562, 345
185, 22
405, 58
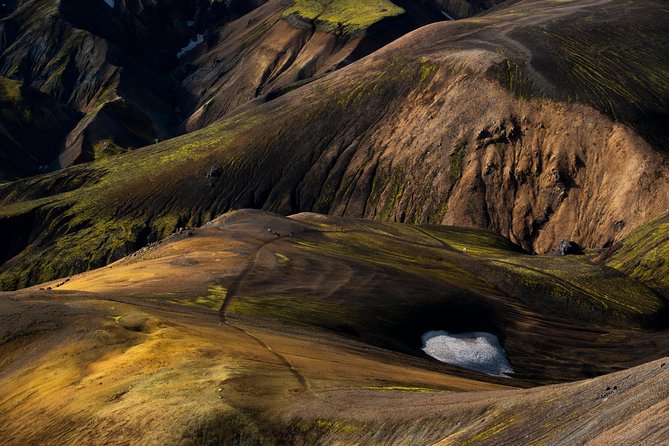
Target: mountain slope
387, 284
396, 136
94, 358
141, 71
32, 129
644, 255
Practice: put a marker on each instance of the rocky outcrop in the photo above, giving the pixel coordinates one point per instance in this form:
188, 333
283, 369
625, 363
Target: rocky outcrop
568, 247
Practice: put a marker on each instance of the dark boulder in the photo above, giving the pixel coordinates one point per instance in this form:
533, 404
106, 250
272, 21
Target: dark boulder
215, 172
568, 247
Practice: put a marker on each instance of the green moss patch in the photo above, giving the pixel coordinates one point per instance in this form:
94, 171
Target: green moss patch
350, 15
644, 254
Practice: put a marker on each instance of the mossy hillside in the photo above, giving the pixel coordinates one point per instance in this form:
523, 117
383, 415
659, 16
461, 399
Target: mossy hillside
10, 90
387, 284
113, 211
351, 15
212, 300
102, 221
187, 195
491, 266
644, 254
575, 282
612, 58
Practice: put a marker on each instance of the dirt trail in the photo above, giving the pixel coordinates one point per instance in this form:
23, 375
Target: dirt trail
298, 376
232, 293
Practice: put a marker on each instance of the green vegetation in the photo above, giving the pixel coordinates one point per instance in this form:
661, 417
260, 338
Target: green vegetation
294, 309
613, 59
404, 389
107, 147
512, 74
92, 232
338, 426
644, 254
214, 299
350, 15
488, 433
453, 261
102, 211
10, 90
575, 281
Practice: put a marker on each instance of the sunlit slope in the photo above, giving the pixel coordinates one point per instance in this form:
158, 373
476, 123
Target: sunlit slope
644, 255
387, 284
318, 341
349, 16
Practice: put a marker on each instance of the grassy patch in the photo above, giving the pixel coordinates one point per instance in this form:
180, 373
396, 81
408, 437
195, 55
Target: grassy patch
350, 15
644, 254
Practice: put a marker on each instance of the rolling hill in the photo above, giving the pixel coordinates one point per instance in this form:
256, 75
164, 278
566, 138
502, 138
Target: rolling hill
311, 334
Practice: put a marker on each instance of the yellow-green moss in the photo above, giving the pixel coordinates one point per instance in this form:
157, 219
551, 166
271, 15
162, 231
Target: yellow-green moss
350, 15
644, 254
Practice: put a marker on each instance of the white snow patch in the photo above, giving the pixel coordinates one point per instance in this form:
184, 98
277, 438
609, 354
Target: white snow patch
110, 3
448, 16
195, 41
189, 23
475, 350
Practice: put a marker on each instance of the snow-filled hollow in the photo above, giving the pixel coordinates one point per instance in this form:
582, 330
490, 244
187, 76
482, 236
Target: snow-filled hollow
477, 350
195, 41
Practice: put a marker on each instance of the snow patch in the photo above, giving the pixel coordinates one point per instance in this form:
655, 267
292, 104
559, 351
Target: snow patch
190, 23
110, 3
195, 41
475, 350
447, 15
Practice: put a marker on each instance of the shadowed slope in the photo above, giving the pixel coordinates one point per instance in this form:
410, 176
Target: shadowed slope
644, 255
140, 71
32, 129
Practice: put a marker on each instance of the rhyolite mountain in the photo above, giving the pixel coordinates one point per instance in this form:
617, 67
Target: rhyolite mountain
228, 334
140, 71
554, 143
